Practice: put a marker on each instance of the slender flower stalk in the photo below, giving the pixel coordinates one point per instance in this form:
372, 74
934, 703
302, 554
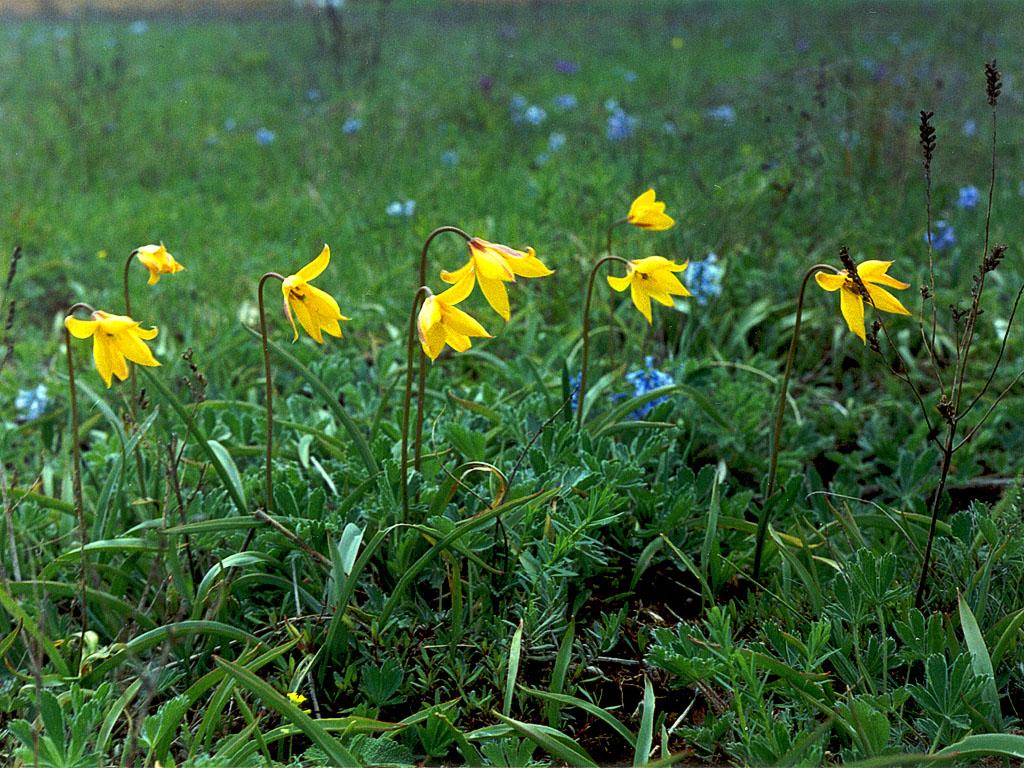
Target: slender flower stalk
773, 463
421, 294
270, 387
586, 335
76, 475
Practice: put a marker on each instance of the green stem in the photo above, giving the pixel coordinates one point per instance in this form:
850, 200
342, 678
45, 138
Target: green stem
421, 293
133, 400
76, 477
270, 389
780, 411
947, 458
611, 298
418, 442
586, 336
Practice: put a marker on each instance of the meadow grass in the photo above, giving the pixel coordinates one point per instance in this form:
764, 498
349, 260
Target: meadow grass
554, 594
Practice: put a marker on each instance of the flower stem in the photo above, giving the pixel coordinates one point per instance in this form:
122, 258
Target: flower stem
947, 458
586, 335
762, 525
133, 399
76, 478
421, 294
420, 391
270, 388
611, 298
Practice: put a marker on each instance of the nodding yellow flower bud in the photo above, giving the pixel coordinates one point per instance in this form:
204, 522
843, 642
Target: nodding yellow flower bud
647, 213
158, 261
440, 322
317, 311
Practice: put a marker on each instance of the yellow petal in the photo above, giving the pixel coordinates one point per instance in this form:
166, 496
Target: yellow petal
316, 266
657, 263
662, 297
665, 281
830, 282
288, 314
492, 267
496, 296
875, 272
462, 323
527, 264
620, 283
105, 356
80, 329
459, 291
431, 331
640, 204
885, 301
142, 333
305, 317
130, 346
457, 341
641, 298
458, 274
852, 307
154, 277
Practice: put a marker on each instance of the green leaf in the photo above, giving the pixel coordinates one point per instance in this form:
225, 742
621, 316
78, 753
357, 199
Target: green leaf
230, 470
554, 742
981, 663
646, 734
336, 753
592, 709
513, 668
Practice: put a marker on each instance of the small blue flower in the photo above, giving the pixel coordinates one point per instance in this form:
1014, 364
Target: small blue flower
574, 387
312, 95
969, 197
230, 124
31, 403
646, 380
535, 115
621, 125
970, 127
629, 77
566, 101
542, 158
612, 105
704, 279
556, 141
352, 125
943, 235
567, 67
724, 114
264, 136
669, 128
450, 158
138, 27
409, 207
517, 103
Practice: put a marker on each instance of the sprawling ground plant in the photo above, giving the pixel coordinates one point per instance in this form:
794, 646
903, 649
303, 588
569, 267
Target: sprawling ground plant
729, 529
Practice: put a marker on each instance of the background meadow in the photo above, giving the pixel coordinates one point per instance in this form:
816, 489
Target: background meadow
605, 612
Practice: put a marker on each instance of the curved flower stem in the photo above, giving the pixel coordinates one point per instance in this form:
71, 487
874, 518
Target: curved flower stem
133, 400
780, 411
611, 297
76, 477
418, 442
270, 388
947, 458
421, 293
586, 337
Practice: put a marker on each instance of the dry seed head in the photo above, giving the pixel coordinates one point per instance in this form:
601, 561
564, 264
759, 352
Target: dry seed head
993, 82
927, 137
13, 268
992, 260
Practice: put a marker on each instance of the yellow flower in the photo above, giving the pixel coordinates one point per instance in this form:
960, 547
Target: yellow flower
158, 261
296, 699
648, 214
440, 322
491, 265
316, 310
114, 338
651, 278
851, 303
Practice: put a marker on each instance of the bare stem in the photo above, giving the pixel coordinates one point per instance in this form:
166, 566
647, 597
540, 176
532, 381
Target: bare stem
762, 525
270, 387
421, 294
586, 335
611, 297
947, 457
133, 399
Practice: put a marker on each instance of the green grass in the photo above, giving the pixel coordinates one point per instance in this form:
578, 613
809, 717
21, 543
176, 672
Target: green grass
601, 612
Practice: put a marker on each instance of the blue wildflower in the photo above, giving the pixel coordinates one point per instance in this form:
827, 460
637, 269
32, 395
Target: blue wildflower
517, 103
30, 404
313, 95
230, 124
567, 67
621, 125
942, 236
724, 114
566, 101
264, 136
611, 105
970, 127
542, 158
574, 388
535, 115
556, 141
629, 77
352, 125
669, 128
969, 197
138, 27
704, 279
646, 380
450, 158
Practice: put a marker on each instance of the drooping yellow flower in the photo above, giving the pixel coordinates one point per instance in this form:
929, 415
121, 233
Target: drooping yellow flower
646, 213
492, 264
651, 278
317, 311
158, 261
440, 322
851, 303
114, 338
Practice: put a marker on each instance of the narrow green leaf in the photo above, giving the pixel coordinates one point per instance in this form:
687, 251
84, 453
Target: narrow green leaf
981, 663
229, 470
17, 612
513, 669
646, 734
1008, 636
560, 670
555, 743
590, 708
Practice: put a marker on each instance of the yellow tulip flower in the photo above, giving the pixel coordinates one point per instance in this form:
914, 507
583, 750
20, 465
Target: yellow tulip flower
491, 265
440, 322
646, 213
158, 261
114, 338
851, 303
651, 278
317, 311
